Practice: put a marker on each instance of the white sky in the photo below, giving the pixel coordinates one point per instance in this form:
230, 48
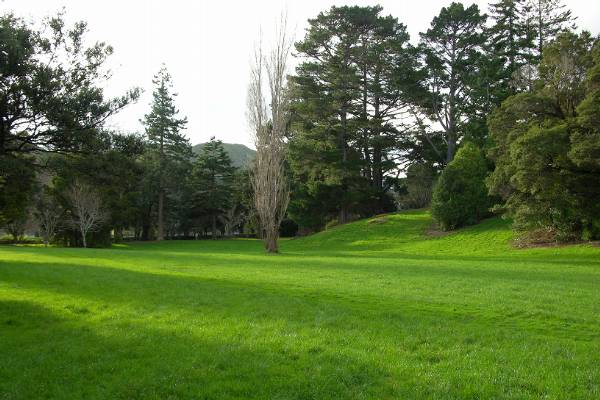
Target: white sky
206, 45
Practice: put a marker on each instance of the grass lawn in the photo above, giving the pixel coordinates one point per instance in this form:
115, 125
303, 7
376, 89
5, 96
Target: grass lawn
370, 310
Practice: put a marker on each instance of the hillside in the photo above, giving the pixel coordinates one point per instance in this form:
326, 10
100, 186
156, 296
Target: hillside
374, 309
406, 232
241, 155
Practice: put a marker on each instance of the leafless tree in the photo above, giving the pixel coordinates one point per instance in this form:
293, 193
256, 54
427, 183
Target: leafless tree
48, 215
17, 228
87, 213
268, 120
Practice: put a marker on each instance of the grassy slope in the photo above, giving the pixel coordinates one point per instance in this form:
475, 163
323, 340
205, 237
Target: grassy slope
366, 310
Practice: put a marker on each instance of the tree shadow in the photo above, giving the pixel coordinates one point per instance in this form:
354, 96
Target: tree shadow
122, 333
79, 359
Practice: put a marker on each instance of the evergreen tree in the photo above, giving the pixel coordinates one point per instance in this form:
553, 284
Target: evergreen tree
547, 18
452, 49
17, 189
545, 145
510, 42
114, 171
212, 184
163, 129
326, 88
460, 196
52, 98
358, 75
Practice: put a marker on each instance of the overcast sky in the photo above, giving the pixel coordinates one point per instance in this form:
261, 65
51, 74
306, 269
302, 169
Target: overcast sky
206, 45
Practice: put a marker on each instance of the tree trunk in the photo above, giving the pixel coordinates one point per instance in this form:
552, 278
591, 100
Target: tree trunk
451, 133
118, 235
540, 29
161, 222
451, 148
343, 216
83, 238
377, 153
214, 226
366, 151
145, 232
271, 243
342, 139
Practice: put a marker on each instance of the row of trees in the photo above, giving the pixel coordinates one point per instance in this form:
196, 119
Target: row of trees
87, 198
368, 107
80, 184
499, 109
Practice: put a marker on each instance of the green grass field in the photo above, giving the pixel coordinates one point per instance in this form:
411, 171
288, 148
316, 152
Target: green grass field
370, 310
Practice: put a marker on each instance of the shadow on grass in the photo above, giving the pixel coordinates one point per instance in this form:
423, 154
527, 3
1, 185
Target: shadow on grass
48, 355
301, 303
124, 333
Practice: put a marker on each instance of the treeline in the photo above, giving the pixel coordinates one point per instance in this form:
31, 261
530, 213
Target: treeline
486, 112
65, 176
496, 112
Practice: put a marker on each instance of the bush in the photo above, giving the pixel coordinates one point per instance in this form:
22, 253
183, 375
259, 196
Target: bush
460, 197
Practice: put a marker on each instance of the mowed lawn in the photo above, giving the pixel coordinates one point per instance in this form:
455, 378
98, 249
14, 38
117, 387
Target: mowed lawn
370, 310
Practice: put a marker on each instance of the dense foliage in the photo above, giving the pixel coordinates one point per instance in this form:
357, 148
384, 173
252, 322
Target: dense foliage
460, 196
546, 144
51, 97
375, 121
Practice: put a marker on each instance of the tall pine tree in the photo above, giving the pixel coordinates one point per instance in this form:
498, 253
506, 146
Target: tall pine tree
212, 182
163, 129
357, 77
547, 19
510, 42
452, 49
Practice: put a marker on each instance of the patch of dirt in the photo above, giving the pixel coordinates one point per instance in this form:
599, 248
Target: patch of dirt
378, 221
539, 245
436, 231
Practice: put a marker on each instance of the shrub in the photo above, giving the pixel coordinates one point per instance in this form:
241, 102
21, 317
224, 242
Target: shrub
460, 196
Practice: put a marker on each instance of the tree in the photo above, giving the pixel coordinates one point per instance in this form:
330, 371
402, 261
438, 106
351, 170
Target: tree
545, 146
460, 196
115, 170
241, 209
418, 185
163, 129
212, 180
326, 90
17, 188
452, 50
351, 92
547, 19
269, 121
86, 209
52, 97
510, 42
49, 214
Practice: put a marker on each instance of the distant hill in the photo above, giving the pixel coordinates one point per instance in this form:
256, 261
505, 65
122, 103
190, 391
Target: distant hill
241, 156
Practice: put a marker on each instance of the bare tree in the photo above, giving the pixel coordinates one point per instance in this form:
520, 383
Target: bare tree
269, 120
17, 228
87, 211
48, 215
